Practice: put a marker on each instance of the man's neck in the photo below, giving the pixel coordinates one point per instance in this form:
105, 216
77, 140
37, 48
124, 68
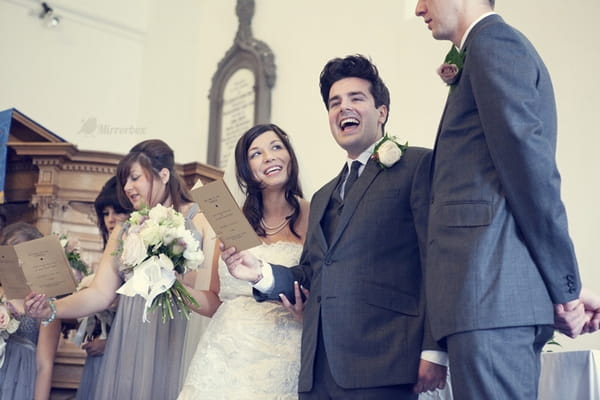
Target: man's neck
471, 14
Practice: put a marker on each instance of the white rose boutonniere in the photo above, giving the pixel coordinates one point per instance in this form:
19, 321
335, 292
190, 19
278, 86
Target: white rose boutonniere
388, 151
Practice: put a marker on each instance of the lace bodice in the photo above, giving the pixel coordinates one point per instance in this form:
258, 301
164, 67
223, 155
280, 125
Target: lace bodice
250, 350
281, 253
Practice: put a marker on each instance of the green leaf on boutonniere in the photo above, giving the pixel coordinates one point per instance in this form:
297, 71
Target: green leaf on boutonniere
455, 57
451, 69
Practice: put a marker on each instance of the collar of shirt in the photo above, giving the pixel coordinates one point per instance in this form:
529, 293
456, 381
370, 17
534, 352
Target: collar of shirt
363, 158
462, 41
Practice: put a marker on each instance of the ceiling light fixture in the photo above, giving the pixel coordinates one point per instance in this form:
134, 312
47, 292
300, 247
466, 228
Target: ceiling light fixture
48, 17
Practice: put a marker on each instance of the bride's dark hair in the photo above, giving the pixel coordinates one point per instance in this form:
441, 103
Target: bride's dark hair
253, 205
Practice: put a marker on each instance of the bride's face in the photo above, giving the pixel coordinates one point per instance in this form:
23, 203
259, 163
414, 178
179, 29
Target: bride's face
269, 160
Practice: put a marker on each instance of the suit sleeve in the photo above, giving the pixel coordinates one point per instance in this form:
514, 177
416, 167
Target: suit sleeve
420, 195
284, 278
514, 97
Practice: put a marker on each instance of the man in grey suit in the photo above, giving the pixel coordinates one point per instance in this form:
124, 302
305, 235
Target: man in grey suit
499, 253
364, 333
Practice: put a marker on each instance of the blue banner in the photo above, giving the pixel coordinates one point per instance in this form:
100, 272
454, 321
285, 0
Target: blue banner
5, 122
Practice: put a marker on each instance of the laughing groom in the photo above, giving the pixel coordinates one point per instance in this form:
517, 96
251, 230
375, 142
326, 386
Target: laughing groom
499, 257
364, 332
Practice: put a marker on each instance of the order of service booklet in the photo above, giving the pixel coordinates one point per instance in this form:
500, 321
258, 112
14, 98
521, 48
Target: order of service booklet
224, 215
38, 265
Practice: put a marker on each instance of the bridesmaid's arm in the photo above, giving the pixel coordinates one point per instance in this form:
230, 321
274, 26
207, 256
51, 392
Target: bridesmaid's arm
97, 297
48, 338
208, 299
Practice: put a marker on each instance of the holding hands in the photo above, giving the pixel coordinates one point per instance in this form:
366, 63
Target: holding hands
578, 316
245, 266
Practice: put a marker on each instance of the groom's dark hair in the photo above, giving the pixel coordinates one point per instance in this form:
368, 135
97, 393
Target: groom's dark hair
354, 66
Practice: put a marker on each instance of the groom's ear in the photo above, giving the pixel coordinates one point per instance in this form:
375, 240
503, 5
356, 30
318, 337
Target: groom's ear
383, 114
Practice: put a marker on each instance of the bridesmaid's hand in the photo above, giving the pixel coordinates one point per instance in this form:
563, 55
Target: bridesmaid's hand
297, 309
36, 306
95, 347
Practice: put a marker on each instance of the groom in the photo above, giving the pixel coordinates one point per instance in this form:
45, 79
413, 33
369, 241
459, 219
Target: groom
364, 333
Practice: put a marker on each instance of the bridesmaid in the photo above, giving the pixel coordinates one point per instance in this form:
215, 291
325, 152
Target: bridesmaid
141, 360
110, 214
29, 354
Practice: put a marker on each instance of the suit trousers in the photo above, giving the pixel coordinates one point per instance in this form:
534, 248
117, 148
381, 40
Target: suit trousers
497, 364
325, 387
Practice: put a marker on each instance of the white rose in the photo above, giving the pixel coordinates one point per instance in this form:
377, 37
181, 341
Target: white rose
158, 213
177, 220
389, 153
193, 259
13, 325
169, 235
4, 317
134, 250
151, 232
136, 218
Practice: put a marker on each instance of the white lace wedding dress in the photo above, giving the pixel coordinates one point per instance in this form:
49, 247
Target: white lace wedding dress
250, 350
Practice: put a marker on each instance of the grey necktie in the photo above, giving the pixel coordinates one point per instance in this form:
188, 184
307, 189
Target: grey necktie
352, 177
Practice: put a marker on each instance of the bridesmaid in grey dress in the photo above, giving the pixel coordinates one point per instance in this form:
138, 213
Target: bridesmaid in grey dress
109, 214
141, 360
18, 372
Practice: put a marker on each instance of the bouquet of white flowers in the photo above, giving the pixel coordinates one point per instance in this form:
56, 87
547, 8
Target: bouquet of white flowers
158, 246
8, 325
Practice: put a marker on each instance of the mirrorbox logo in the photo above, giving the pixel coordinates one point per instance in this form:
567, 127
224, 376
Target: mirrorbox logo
92, 127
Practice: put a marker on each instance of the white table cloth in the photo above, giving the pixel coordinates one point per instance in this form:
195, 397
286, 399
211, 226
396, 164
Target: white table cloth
565, 375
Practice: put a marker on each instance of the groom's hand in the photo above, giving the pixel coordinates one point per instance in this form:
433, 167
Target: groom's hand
432, 376
241, 265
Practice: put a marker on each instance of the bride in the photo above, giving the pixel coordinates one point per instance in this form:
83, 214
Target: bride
251, 350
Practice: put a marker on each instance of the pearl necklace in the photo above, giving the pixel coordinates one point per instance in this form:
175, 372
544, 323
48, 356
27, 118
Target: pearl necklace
272, 230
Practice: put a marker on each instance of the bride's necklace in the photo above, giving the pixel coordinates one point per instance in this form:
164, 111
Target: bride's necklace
272, 230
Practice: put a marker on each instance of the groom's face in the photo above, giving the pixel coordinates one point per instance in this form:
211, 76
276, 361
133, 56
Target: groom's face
354, 120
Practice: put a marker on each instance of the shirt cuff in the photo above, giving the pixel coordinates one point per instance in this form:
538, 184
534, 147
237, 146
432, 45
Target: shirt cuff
266, 284
436, 357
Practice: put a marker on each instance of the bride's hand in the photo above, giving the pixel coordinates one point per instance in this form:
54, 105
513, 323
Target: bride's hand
36, 306
241, 265
296, 309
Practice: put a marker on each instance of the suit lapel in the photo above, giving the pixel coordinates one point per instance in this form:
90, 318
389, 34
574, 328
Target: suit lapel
484, 22
320, 205
353, 199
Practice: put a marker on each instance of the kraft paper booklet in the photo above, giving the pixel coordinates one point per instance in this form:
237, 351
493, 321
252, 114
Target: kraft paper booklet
225, 216
38, 265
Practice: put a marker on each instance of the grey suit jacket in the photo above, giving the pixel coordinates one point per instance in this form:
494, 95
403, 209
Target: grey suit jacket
366, 286
499, 253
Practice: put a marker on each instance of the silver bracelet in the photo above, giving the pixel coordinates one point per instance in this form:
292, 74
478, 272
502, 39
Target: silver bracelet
52, 317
